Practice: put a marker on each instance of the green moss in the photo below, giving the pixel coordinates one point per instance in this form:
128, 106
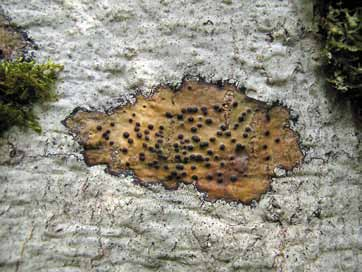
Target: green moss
342, 29
22, 85
227, 2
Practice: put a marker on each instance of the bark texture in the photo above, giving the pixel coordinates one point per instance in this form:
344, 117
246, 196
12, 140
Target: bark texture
57, 214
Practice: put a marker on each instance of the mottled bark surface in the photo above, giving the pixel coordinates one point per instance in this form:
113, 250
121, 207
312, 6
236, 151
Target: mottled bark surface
58, 214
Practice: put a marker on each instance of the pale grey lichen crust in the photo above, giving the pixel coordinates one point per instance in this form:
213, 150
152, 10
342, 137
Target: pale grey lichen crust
56, 214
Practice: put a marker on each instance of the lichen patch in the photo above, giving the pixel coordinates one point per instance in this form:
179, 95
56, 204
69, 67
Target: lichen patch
12, 42
216, 138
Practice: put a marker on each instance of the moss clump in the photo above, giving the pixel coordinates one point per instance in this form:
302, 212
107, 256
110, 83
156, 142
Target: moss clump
342, 29
23, 84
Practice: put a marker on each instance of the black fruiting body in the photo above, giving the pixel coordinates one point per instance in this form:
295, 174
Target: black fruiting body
195, 138
199, 158
223, 127
239, 147
179, 167
233, 178
105, 136
204, 144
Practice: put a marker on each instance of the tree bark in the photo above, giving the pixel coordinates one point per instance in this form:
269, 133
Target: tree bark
57, 214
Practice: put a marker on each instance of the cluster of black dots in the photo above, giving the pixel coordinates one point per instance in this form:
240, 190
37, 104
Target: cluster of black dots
198, 118
186, 149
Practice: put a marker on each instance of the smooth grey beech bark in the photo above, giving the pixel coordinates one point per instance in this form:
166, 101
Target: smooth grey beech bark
57, 214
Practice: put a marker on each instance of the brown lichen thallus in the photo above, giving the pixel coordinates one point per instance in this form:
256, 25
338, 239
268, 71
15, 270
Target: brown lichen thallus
214, 137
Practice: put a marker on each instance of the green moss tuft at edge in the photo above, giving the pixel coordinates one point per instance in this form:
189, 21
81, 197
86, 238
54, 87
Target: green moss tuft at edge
342, 29
22, 85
